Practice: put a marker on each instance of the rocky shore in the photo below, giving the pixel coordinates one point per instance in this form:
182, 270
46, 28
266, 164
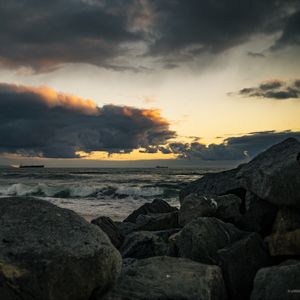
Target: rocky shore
236, 236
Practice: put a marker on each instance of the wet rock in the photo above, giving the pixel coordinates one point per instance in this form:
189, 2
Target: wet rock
156, 206
287, 219
153, 222
274, 175
228, 208
259, 216
168, 278
216, 184
173, 244
278, 282
240, 261
143, 244
126, 227
109, 227
282, 244
194, 206
48, 252
201, 239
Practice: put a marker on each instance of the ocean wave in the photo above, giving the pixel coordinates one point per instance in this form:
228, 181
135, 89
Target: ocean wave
78, 191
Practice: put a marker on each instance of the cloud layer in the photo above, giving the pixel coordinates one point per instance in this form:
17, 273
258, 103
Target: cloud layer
233, 148
274, 89
44, 35
42, 122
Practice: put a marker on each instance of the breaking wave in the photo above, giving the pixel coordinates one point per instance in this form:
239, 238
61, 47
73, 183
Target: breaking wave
79, 191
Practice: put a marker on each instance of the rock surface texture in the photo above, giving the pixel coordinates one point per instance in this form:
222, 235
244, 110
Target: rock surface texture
48, 252
274, 175
168, 278
109, 227
278, 282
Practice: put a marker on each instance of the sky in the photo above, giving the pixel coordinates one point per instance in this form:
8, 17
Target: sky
146, 82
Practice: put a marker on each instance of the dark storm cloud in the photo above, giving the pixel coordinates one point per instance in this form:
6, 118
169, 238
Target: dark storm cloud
291, 32
41, 122
274, 89
233, 148
44, 35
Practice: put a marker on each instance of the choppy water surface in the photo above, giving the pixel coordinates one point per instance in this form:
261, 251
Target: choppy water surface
102, 191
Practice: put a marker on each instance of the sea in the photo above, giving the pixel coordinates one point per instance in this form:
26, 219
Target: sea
93, 192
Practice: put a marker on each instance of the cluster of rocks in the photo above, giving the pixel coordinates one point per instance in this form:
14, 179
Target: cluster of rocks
235, 236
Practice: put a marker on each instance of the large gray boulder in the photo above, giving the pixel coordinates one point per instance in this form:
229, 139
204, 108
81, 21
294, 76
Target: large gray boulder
274, 175
226, 208
240, 261
153, 222
287, 219
215, 184
284, 244
156, 206
278, 282
201, 239
48, 252
111, 229
168, 278
195, 206
143, 244
259, 215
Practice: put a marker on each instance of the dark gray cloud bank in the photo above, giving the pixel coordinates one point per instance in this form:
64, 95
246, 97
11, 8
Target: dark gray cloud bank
274, 89
44, 35
233, 148
41, 122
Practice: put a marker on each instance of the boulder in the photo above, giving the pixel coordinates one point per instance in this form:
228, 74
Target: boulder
143, 244
109, 227
156, 206
194, 206
274, 175
228, 208
168, 278
126, 227
173, 244
259, 216
215, 184
278, 282
240, 261
47, 252
281, 244
153, 222
201, 239
287, 219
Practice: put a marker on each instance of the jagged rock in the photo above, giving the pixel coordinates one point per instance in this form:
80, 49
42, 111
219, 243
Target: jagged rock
157, 206
126, 227
240, 261
215, 184
228, 208
278, 282
166, 234
153, 222
259, 216
173, 244
143, 244
281, 244
109, 227
168, 278
274, 175
47, 252
194, 206
201, 239
287, 219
